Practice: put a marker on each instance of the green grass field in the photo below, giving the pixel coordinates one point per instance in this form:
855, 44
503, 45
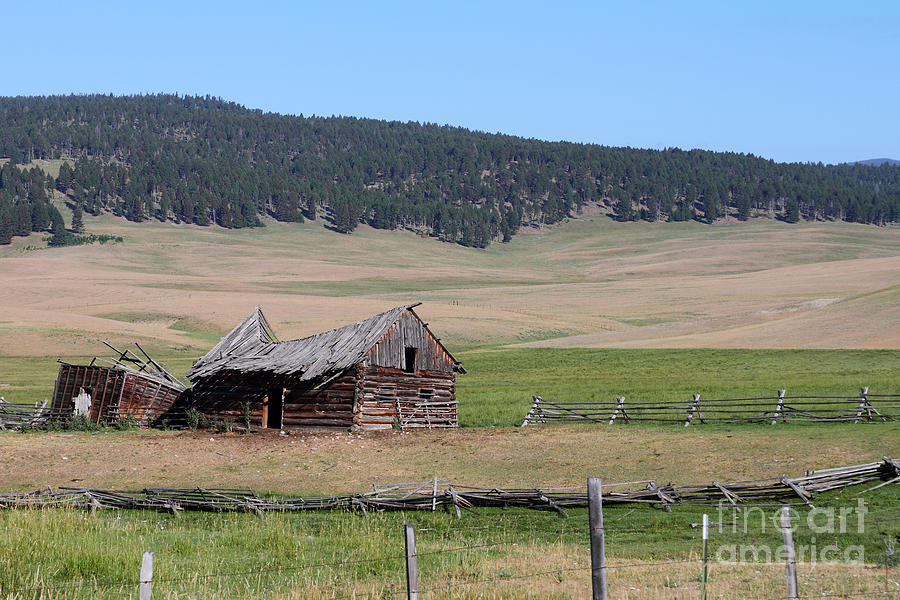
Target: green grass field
498, 388
495, 554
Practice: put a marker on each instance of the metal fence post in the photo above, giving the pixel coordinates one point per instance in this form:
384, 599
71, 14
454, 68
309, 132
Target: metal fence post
598, 542
412, 570
705, 556
146, 581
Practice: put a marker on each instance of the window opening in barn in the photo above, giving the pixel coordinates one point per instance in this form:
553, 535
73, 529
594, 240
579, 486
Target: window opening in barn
273, 408
409, 363
425, 394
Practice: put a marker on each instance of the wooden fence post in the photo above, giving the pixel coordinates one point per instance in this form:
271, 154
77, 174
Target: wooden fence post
694, 406
863, 404
780, 407
412, 568
146, 576
620, 406
703, 576
535, 403
598, 541
790, 558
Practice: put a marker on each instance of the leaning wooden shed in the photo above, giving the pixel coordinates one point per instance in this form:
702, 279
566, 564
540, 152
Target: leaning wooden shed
128, 387
385, 371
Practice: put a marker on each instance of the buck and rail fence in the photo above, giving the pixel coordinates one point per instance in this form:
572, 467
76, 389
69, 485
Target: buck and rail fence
702, 570
16, 416
781, 408
436, 494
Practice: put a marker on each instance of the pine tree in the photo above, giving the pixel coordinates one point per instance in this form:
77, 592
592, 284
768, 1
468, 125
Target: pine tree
40, 218
6, 226
711, 205
792, 211
344, 220
64, 180
77, 219
743, 206
61, 235
311, 206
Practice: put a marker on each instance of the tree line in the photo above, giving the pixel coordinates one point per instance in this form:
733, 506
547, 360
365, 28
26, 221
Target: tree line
206, 161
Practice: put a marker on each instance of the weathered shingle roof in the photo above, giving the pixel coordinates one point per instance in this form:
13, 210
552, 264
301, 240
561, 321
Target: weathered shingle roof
253, 347
253, 334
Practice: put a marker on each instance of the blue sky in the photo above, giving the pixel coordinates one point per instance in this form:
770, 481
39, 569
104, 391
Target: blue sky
791, 81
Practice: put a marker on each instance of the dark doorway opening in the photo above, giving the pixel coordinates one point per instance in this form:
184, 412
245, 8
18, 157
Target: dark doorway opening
273, 408
409, 360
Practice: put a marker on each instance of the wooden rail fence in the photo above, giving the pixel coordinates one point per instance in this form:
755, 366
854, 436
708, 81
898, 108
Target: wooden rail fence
864, 408
40, 414
436, 494
14, 416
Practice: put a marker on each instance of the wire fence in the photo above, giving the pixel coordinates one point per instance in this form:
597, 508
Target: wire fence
518, 566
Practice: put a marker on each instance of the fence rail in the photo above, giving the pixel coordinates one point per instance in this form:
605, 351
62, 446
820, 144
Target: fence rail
39, 414
14, 416
435, 494
864, 408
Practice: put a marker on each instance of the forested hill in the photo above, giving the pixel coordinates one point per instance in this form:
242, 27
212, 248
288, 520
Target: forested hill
205, 160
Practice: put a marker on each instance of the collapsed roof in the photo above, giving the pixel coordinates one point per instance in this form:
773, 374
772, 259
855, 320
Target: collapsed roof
252, 347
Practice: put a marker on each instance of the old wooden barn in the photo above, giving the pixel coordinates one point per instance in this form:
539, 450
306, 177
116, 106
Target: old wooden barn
128, 387
386, 371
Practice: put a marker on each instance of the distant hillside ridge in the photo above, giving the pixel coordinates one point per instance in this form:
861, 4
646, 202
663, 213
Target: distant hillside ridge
877, 162
204, 160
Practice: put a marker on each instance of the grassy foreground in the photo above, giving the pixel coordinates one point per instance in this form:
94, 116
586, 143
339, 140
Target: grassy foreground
495, 554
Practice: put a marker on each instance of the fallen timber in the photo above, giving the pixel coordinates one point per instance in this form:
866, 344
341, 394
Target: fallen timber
435, 494
18, 416
864, 408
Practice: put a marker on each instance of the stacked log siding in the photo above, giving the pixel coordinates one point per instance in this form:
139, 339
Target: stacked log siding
387, 371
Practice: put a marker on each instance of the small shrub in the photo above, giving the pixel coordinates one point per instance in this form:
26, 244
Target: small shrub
159, 423
80, 423
193, 417
126, 424
223, 425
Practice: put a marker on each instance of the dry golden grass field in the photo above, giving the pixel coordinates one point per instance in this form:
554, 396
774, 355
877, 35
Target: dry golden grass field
589, 282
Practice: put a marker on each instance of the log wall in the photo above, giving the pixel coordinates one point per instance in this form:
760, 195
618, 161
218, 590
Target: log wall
391, 396
329, 407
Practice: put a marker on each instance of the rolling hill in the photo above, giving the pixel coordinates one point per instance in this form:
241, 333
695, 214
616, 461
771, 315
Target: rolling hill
877, 162
203, 160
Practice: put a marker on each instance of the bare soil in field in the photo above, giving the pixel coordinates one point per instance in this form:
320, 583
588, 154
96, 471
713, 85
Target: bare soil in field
332, 462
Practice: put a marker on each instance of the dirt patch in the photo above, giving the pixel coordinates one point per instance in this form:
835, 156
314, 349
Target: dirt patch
330, 462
